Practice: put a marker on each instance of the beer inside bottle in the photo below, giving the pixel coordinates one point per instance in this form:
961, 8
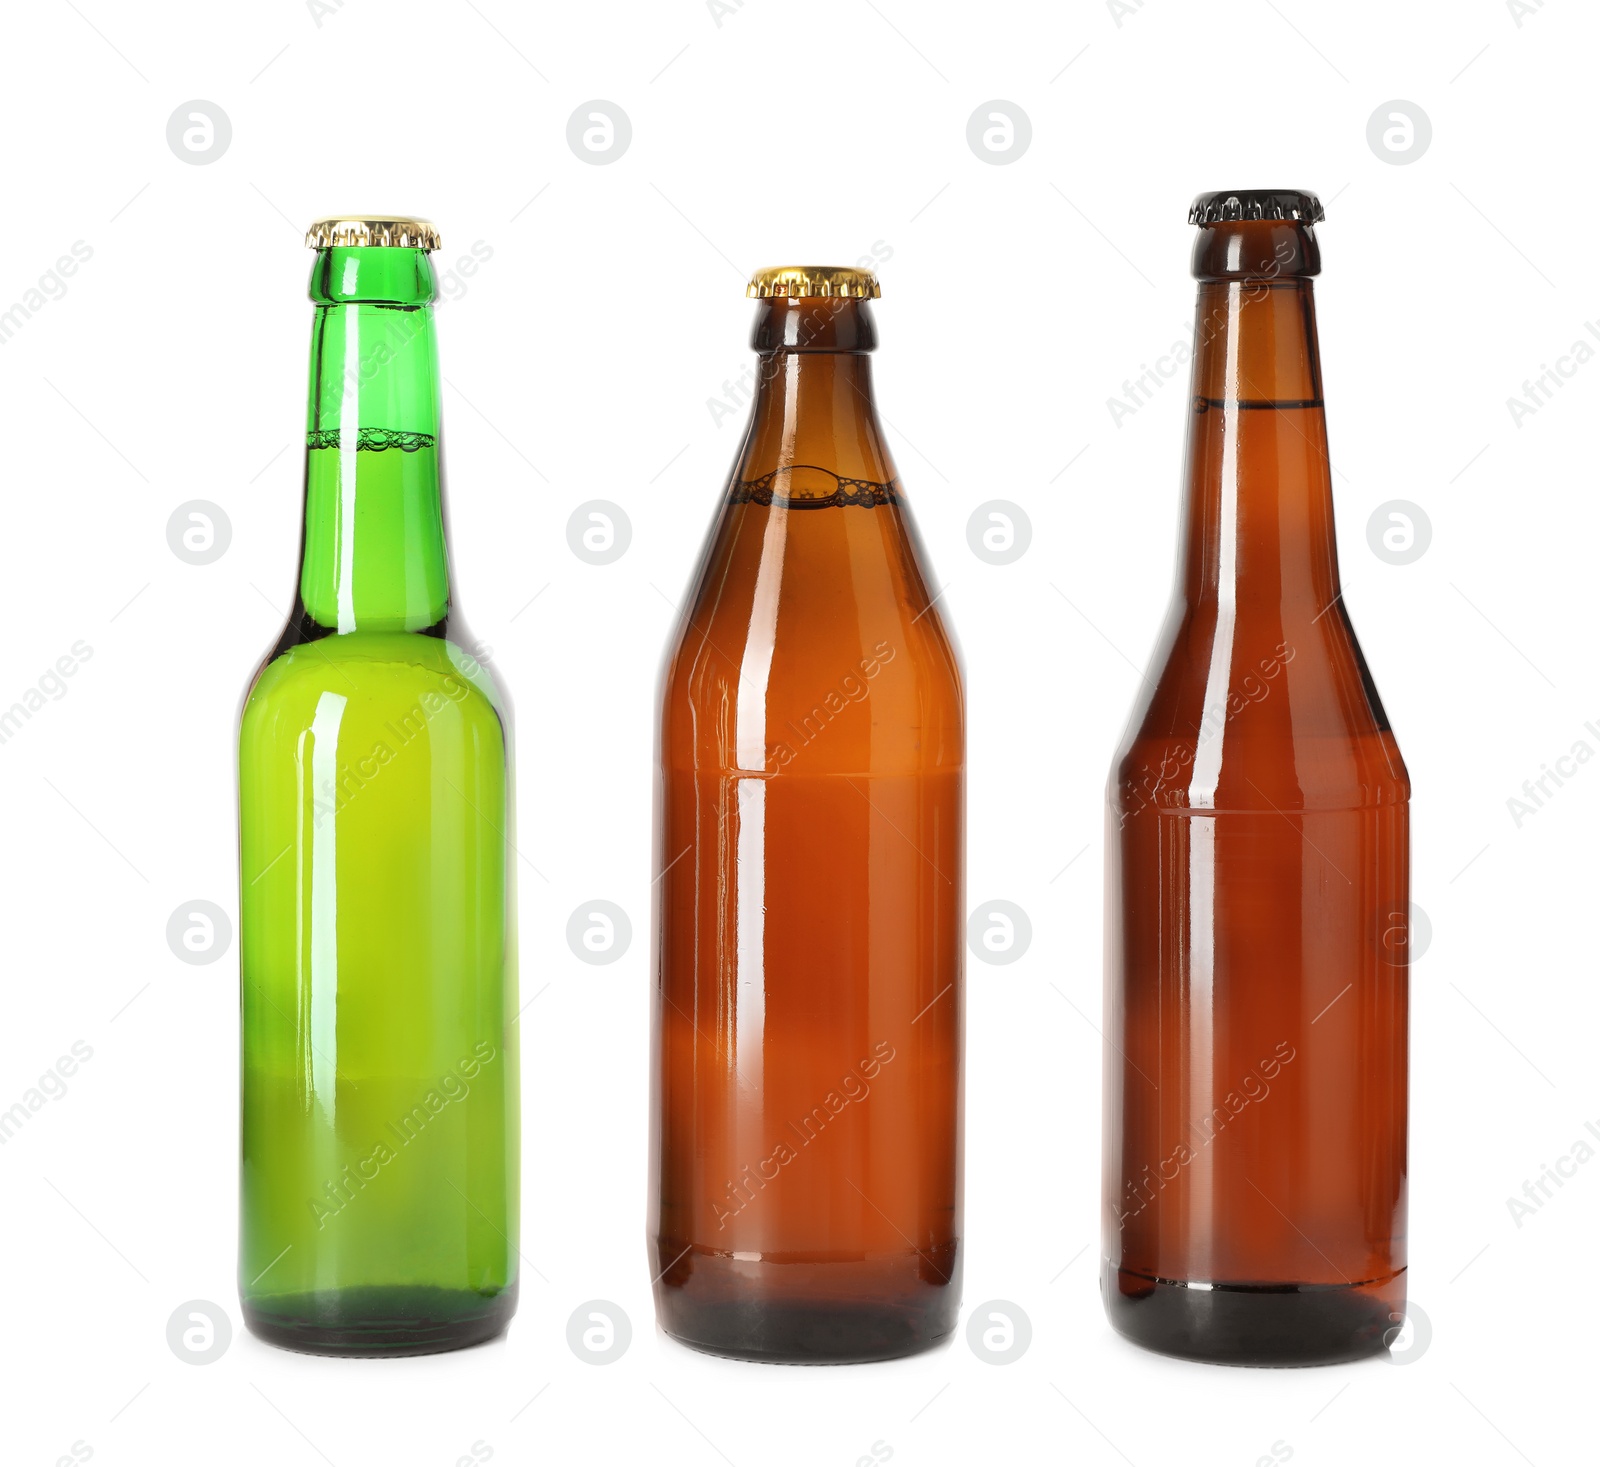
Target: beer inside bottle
378, 1213
806, 1139
1257, 875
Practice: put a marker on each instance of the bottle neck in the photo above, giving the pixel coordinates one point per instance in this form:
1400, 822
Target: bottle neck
374, 557
1259, 514
814, 432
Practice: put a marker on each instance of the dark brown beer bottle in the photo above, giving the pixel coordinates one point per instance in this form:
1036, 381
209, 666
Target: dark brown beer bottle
1257, 875
806, 1122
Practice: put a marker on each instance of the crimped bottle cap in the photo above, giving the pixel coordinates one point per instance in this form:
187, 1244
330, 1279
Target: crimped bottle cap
796, 281
1226, 205
395, 232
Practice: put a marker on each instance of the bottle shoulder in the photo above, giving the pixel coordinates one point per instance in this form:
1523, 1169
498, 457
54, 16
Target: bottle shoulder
386, 673
803, 619
1258, 713
818, 584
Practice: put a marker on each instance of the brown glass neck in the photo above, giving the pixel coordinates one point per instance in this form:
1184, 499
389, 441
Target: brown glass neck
814, 324
813, 403
1256, 249
1260, 505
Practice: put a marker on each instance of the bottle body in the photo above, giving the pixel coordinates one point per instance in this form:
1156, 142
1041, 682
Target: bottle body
806, 1131
377, 921
1257, 894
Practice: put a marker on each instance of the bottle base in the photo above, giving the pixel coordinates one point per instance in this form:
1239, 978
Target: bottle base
1255, 1324
786, 1311
378, 1323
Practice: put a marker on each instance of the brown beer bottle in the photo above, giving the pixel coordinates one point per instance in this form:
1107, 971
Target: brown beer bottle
806, 1121
1257, 875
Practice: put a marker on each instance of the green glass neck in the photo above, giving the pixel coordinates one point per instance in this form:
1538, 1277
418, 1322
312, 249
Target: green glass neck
374, 555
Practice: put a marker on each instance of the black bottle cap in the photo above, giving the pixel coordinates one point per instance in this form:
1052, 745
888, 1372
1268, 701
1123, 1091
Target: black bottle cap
1224, 205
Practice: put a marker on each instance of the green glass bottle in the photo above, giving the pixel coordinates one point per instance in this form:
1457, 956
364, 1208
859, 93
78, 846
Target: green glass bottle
378, 1209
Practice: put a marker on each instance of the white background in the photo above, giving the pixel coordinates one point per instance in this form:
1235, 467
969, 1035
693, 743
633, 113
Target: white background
581, 359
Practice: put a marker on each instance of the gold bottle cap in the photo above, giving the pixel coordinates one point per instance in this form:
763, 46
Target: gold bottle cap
395, 232
796, 281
